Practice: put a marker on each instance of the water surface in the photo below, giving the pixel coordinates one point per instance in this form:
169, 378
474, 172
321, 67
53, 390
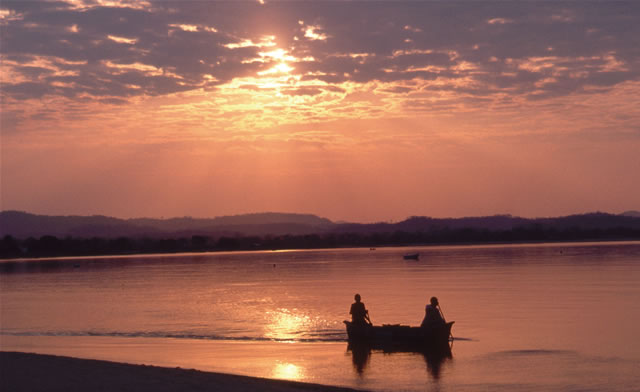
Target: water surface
532, 317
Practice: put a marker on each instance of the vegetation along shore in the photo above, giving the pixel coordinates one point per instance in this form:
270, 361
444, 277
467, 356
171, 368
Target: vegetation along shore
31, 236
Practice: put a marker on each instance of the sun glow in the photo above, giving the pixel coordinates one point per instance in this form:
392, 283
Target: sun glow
311, 33
265, 41
280, 56
285, 324
120, 40
287, 371
281, 68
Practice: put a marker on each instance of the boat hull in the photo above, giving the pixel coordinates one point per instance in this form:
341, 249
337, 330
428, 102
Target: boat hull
399, 336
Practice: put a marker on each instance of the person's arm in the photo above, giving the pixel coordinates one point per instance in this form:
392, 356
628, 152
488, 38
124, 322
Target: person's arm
441, 315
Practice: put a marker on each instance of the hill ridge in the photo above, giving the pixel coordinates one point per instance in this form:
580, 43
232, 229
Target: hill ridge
22, 224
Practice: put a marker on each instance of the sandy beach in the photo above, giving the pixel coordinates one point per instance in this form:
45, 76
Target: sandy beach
36, 372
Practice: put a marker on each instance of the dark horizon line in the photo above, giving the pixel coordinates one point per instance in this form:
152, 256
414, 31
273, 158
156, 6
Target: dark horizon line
338, 221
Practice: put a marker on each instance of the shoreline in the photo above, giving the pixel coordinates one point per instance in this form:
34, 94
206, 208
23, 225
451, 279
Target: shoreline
9, 260
21, 371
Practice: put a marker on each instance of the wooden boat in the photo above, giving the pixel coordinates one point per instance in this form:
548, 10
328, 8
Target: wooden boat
411, 256
397, 335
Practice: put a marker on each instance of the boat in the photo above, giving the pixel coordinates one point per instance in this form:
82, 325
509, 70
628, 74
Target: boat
397, 335
411, 256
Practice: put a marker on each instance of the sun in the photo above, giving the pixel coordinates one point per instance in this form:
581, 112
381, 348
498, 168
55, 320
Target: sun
282, 57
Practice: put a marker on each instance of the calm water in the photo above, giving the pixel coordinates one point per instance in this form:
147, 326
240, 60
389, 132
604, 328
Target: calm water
528, 317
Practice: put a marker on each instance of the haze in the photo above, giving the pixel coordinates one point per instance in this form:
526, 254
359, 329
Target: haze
360, 111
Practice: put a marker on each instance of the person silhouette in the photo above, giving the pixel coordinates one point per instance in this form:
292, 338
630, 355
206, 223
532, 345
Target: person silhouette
359, 313
432, 317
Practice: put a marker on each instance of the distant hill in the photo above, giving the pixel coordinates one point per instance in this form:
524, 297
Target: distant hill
425, 224
24, 235
22, 224
635, 214
595, 220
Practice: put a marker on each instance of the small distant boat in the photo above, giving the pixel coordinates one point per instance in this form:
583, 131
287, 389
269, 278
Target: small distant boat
397, 335
411, 256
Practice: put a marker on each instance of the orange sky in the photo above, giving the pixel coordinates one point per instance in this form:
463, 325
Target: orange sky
353, 111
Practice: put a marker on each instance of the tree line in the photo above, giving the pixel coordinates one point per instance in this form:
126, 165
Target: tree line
51, 246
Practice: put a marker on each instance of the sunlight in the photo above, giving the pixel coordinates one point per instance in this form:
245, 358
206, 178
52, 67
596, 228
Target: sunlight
81, 4
311, 33
287, 371
281, 68
185, 27
279, 55
148, 69
120, 40
265, 41
285, 324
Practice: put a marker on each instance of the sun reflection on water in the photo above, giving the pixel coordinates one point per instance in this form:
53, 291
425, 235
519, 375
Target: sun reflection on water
287, 371
286, 325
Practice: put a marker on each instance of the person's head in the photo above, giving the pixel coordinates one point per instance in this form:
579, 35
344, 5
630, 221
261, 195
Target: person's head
434, 301
357, 297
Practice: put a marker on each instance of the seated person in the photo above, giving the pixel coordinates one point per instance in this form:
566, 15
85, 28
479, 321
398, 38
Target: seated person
359, 314
432, 316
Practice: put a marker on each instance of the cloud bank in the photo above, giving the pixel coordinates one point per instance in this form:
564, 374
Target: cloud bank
85, 51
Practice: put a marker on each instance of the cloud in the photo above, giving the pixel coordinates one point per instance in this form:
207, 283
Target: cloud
89, 51
302, 91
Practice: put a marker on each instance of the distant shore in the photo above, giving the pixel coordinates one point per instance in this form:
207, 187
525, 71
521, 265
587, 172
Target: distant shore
7, 262
24, 235
35, 372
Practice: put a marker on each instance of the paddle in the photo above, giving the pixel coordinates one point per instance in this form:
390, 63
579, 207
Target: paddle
367, 318
442, 314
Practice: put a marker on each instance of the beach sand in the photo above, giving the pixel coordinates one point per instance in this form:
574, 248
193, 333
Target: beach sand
36, 372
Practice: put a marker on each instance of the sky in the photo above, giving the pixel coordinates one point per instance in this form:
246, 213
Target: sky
360, 111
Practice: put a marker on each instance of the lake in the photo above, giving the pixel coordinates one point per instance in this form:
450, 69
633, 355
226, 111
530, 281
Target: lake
546, 317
